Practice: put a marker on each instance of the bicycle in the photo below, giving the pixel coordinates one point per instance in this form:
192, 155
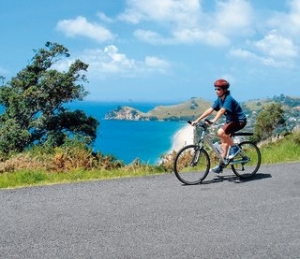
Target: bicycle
192, 162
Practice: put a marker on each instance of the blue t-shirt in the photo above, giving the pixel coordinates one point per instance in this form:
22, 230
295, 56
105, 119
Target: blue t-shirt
233, 109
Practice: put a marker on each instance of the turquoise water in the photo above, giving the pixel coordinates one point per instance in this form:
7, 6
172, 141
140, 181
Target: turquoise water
128, 140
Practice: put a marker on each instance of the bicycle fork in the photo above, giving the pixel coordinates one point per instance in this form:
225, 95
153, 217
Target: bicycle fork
196, 157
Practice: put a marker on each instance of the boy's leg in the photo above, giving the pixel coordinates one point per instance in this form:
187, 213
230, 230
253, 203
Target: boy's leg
226, 140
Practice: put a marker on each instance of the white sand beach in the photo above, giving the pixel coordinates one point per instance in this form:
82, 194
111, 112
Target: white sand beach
182, 138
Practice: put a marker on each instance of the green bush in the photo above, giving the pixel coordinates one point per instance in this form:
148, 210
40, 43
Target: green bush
296, 137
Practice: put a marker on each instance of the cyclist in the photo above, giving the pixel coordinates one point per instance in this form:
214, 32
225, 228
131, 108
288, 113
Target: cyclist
235, 120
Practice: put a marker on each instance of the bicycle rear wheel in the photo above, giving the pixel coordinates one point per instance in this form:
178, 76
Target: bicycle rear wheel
248, 161
191, 165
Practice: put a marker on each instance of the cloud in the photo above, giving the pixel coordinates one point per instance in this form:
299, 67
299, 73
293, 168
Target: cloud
104, 18
184, 22
231, 24
109, 62
287, 23
172, 22
174, 11
233, 17
81, 27
278, 46
177, 19
252, 57
294, 16
151, 37
273, 50
156, 64
241, 53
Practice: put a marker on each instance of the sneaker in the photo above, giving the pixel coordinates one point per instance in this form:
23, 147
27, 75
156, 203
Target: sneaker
234, 150
218, 169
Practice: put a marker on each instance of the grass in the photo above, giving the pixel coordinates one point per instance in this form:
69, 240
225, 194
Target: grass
282, 151
24, 178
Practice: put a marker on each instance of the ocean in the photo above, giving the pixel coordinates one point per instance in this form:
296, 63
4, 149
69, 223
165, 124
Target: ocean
129, 140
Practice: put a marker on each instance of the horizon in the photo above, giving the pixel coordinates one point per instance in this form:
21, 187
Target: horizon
178, 101
162, 50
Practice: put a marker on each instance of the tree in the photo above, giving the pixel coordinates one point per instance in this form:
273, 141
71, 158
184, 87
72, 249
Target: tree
33, 103
268, 119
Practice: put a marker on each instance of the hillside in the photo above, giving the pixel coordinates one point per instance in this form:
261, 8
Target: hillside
286, 101
192, 108
183, 111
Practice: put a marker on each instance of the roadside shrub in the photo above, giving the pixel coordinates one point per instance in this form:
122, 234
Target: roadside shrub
60, 159
167, 161
296, 137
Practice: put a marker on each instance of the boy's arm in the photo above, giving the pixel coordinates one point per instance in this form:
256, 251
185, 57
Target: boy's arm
204, 115
218, 115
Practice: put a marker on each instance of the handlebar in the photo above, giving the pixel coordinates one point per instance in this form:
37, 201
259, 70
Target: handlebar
201, 124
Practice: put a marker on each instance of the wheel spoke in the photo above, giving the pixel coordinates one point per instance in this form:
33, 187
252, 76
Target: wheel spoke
248, 161
191, 165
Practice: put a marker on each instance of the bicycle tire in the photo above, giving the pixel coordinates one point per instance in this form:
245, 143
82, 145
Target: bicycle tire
191, 165
248, 161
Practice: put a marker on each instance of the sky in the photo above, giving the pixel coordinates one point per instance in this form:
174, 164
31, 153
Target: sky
161, 50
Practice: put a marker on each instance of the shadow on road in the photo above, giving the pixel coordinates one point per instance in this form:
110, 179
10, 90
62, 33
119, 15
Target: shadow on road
235, 179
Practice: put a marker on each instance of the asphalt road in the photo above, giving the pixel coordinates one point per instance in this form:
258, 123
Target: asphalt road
156, 217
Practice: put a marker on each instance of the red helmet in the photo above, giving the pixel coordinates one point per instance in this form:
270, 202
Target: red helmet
222, 83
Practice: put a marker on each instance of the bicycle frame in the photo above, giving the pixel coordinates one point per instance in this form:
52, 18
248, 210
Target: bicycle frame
207, 138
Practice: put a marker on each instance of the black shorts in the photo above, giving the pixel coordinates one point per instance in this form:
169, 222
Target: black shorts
234, 126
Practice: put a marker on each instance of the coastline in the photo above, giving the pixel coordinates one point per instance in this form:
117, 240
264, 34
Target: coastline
182, 138
149, 141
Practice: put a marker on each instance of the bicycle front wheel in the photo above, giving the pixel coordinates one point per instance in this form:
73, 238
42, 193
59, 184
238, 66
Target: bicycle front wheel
191, 165
248, 161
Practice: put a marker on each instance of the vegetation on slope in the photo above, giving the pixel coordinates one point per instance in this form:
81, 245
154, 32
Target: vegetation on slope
184, 111
66, 164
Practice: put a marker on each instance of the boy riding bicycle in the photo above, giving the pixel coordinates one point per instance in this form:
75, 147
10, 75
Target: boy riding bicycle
235, 120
